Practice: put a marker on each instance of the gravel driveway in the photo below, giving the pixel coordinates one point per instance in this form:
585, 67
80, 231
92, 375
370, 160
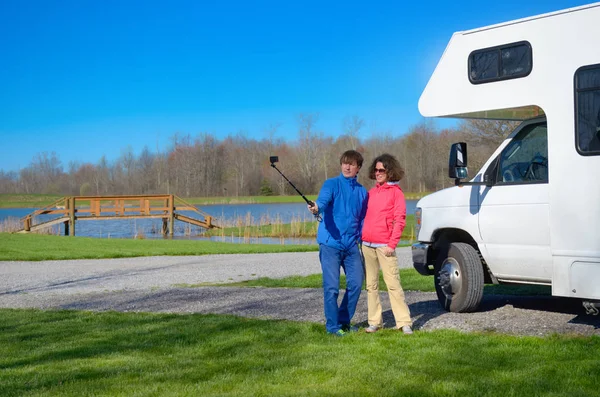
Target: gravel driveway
155, 284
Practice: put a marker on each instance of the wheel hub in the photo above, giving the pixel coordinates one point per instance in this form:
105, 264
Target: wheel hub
450, 277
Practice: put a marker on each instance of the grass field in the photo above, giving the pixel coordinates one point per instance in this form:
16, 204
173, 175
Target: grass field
41, 200
410, 279
44, 247
35, 247
27, 200
69, 353
75, 353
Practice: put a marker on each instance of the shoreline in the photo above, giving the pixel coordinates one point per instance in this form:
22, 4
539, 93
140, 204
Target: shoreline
19, 201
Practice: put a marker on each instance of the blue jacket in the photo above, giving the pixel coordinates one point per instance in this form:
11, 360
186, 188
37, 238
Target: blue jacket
343, 204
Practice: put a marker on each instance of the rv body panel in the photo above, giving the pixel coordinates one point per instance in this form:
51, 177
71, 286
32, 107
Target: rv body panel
534, 233
451, 208
574, 214
557, 53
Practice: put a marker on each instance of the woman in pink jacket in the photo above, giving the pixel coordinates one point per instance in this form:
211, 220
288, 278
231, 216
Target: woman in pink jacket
382, 228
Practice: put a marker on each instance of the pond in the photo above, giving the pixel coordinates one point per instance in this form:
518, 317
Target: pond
225, 214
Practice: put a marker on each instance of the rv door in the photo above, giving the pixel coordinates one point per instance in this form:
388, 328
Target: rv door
514, 217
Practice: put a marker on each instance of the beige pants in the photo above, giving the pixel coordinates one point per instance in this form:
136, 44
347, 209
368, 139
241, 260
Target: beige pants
375, 259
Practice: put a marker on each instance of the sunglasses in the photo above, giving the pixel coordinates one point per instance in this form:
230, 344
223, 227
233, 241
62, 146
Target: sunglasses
380, 170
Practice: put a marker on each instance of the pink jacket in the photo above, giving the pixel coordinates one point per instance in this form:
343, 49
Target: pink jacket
386, 215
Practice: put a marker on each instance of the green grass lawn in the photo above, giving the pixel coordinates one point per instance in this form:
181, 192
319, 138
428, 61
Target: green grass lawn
248, 199
75, 353
27, 200
410, 279
41, 200
272, 199
35, 247
69, 353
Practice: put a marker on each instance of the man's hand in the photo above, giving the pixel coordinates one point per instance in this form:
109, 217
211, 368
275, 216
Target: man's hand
314, 209
387, 251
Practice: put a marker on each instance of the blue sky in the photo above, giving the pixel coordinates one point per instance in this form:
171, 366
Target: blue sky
89, 78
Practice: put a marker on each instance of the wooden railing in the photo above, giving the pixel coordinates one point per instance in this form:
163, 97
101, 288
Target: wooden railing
79, 208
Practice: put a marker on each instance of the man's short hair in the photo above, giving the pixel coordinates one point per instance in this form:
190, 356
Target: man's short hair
351, 156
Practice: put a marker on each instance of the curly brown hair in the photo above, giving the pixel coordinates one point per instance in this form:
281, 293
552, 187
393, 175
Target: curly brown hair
393, 169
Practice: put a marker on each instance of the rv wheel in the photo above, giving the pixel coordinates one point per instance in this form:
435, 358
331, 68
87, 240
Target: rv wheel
459, 278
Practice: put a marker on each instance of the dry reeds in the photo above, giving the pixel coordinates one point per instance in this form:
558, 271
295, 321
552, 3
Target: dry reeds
139, 234
13, 225
10, 225
247, 227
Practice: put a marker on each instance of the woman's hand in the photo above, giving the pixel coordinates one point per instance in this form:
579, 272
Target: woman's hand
387, 251
313, 208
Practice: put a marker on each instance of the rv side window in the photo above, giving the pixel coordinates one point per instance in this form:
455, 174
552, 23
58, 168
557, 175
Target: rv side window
587, 110
508, 61
525, 158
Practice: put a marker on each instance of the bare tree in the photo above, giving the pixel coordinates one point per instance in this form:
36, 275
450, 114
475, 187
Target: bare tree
488, 132
181, 165
46, 172
308, 142
74, 181
237, 159
420, 157
159, 170
273, 146
352, 126
145, 170
28, 181
8, 182
127, 164
208, 169
285, 153
101, 178
82, 177
203, 165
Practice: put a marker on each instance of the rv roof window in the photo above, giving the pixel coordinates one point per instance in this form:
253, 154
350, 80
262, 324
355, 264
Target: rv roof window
509, 61
587, 110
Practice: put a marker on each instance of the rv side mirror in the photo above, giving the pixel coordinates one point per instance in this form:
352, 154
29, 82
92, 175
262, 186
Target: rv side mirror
457, 166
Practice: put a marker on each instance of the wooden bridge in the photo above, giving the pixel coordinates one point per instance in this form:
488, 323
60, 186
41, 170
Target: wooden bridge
80, 208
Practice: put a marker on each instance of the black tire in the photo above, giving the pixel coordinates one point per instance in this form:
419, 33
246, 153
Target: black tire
459, 278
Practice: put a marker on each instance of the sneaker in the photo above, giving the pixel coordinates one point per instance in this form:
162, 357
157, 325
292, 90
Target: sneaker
371, 329
339, 332
407, 330
349, 328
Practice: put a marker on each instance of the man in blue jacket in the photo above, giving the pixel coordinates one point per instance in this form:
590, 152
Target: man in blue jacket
342, 202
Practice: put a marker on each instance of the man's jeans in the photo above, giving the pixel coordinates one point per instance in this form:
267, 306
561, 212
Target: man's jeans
331, 261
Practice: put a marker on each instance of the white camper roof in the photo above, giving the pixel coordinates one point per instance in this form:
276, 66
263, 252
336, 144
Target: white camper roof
560, 41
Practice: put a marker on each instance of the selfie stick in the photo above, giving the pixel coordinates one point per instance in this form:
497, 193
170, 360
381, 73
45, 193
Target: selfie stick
275, 159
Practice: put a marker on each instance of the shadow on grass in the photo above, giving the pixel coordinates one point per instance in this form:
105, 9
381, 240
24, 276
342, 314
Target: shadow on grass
70, 347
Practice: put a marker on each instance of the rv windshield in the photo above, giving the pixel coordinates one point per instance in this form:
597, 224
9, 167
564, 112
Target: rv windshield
525, 158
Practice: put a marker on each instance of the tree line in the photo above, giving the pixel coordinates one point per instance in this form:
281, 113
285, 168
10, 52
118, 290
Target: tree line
204, 166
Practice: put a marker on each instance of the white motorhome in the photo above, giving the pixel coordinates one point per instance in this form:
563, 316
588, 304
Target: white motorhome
531, 215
